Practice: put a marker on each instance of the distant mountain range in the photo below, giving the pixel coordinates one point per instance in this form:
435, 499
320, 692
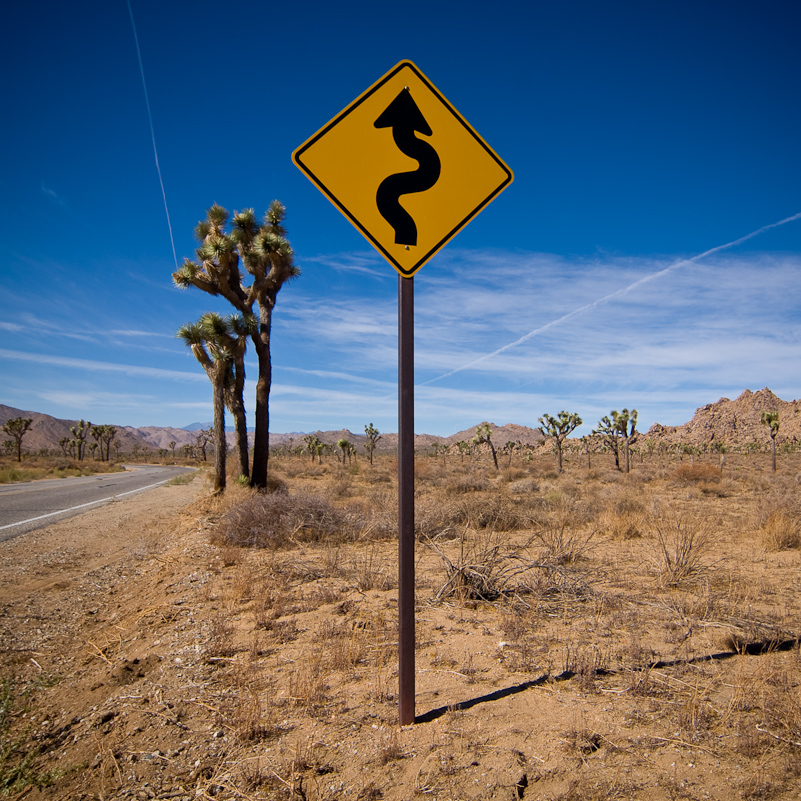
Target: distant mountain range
736, 421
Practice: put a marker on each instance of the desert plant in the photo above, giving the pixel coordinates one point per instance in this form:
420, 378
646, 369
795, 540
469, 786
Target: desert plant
564, 542
373, 435
278, 520
79, 433
210, 349
559, 428
484, 435
16, 429
484, 569
781, 529
264, 251
683, 543
626, 424
771, 420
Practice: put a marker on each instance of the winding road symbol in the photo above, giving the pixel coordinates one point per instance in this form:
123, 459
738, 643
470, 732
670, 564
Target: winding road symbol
405, 119
404, 167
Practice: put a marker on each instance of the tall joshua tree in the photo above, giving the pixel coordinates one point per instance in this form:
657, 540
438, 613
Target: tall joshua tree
264, 252
373, 435
559, 428
626, 424
16, 428
231, 334
771, 420
484, 434
216, 361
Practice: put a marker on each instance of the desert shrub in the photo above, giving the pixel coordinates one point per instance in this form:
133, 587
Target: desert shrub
682, 546
781, 530
513, 474
460, 485
434, 518
492, 511
377, 476
686, 474
525, 486
624, 518
563, 542
487, 566
278, 520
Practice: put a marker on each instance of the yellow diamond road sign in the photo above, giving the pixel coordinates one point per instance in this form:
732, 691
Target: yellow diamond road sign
404, 167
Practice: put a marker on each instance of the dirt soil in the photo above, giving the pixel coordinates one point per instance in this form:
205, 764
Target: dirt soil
140, 661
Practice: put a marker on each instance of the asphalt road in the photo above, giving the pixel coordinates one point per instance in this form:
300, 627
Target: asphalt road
34, 504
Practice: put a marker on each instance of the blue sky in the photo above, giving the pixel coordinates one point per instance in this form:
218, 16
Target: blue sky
641, 136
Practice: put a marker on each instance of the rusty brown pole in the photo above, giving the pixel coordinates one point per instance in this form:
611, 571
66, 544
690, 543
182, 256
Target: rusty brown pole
406, 667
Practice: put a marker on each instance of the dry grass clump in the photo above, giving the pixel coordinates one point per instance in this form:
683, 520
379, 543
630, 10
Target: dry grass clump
486, 567
524, 486
682, 546
459, 485
564, 542
687, 474
624, 518
279, 520
781, 530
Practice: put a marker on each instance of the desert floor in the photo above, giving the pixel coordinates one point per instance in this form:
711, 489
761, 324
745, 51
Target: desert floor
584, 635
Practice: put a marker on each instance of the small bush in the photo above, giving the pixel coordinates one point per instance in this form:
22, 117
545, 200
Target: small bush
682, 547
279, 520
686, 474
781, 530
563, 542
463, 484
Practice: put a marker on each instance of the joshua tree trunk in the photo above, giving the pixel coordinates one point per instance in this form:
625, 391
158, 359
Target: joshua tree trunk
241, 426
220, 444
261, 443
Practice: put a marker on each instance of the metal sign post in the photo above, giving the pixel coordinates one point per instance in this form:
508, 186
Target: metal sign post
405, 500
360, 161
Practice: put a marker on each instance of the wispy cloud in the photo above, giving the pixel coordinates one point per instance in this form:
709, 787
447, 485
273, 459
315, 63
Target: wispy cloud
619, 293
53, 195
361, 263
96, 366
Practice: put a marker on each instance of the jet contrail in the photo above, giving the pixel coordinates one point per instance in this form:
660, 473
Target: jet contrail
152, 132
615, 294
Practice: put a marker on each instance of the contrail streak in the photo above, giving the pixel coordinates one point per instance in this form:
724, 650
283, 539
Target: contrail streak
152, 132
613, 295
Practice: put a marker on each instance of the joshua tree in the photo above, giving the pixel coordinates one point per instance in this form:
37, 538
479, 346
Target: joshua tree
509, 448
621, 429
610, 436
626, 424
559, 428
16, 428
79, 433
484, 434
346, 449
373, 435
464, 447
589, 445
313, 445
264, 251
171, 445
231, 334
104, 435
216, 360
771, 420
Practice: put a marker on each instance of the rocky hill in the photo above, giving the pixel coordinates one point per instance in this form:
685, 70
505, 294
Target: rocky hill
735, 421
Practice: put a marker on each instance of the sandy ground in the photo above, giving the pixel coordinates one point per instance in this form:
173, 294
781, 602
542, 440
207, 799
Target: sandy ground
140, 661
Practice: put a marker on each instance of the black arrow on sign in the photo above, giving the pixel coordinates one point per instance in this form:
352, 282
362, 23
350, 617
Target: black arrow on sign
405, 118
